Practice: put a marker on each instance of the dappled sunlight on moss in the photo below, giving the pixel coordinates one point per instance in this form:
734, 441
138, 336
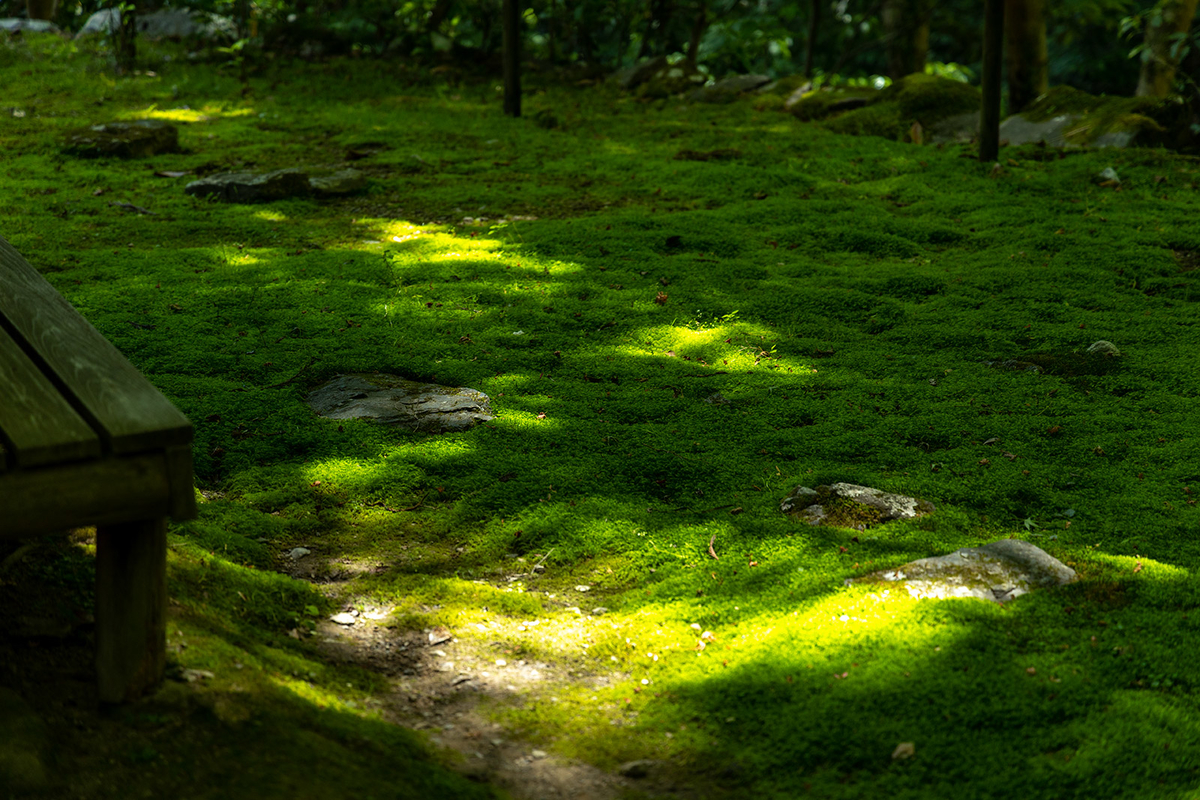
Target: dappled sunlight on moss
847, 307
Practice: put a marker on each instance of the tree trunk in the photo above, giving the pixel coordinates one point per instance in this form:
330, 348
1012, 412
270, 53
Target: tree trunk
814, 20
1158, 62
993, 47
1025, 49
698, 28
656, 27
511, 12
906, 25
126, 38
41, 9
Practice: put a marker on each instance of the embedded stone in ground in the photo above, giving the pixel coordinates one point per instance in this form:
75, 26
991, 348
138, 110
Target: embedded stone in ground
393, 400
341, 182
140, 138
250, 187
848, 505
729, 88
998, 571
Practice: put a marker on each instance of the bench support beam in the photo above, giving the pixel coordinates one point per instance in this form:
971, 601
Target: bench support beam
131, 608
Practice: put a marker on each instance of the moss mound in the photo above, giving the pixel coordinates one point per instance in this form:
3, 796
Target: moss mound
930, 98
917, 98
821, 104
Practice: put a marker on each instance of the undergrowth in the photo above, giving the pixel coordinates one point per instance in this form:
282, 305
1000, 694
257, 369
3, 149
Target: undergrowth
848, 298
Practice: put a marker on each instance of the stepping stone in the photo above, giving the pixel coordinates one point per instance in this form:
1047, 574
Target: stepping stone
140, 138
390, 399
250, 187
998, 571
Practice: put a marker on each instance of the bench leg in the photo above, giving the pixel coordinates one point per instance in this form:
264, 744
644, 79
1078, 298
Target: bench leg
131, 608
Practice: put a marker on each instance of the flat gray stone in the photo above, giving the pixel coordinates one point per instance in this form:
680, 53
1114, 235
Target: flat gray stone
343, 182
797, 95
959, 128
248, 187
165, 23
835, 505
140, 138
631, 77
281, 184
393, 400
15, 24
729, 88
1017, 130
998, 571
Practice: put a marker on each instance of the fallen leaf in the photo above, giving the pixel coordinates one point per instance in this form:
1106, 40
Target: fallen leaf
1138, 567
661, 298
172, 173
904, 750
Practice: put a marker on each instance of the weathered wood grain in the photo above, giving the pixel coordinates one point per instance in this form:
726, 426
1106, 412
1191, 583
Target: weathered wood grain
110, 490
126, 410
131, 608
39, 425
180, 478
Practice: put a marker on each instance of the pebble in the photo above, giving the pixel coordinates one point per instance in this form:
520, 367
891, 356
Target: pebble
538, 754
297, 553
599, 611
344, 618
583, 588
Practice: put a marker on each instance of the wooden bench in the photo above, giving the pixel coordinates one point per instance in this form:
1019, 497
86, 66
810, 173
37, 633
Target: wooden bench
86, 440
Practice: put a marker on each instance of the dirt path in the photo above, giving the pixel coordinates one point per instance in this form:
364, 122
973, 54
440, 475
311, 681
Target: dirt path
439, 683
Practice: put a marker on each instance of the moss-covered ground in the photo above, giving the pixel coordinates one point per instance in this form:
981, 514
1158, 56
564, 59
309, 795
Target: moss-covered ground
843, 294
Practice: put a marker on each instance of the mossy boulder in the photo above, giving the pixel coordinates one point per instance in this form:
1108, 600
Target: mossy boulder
1066, 117
672, 79
901, 112
848, 505
878, 119
928, 99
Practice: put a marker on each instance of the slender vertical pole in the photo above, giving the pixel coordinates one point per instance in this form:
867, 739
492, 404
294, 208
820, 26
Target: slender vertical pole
993, 51
511, 18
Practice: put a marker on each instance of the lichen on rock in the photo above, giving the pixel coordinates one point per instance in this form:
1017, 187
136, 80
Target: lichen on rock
848, 505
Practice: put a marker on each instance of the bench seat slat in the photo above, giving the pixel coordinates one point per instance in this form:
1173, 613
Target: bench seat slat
128, 412
40, 425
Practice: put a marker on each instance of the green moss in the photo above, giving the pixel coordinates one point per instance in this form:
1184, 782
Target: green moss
930, 98
881, 119
816, 105
843, 295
